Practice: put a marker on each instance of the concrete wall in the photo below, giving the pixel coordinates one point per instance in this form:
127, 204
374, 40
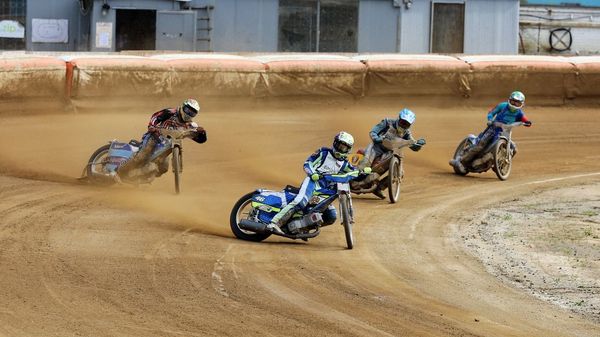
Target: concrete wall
79, 25
491, 27
378, 27
415, 28
245, 25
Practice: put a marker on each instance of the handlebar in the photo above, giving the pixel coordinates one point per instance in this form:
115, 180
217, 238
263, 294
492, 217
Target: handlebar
177, 133
507, 126
397, 143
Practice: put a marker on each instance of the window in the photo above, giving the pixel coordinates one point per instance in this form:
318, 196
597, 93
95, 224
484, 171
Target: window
13, 10
318, 25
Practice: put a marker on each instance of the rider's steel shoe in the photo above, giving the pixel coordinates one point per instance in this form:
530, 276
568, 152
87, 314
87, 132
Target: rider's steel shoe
378, 193
115, 177
458, 165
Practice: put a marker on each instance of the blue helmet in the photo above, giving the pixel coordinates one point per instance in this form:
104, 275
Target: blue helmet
406, 118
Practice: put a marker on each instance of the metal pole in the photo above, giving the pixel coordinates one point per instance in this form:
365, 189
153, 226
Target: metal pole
318, 24
399, 31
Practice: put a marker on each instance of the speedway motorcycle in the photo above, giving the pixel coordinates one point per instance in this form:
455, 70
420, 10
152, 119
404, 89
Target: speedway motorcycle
387, 170
498, 155
253, 212
105, 162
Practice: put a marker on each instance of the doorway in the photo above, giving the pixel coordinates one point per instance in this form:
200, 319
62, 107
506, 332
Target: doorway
447, 28
135, 29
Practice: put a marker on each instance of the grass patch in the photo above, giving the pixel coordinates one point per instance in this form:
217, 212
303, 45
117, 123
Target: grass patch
589, 213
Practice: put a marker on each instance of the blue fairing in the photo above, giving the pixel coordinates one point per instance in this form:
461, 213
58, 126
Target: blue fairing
118, 153
273, 199
161, 148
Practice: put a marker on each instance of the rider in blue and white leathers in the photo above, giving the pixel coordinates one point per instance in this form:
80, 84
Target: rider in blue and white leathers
325, 161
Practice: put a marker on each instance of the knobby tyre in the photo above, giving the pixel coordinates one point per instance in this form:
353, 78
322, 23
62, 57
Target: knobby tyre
241, 210
95, 167
176, 158
502, 159
394, 179
345, 209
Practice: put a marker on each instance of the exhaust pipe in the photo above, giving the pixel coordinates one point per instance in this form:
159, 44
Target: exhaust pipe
252, 226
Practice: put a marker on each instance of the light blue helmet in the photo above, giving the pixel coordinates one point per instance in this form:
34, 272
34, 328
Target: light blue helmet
406, 118
516, 100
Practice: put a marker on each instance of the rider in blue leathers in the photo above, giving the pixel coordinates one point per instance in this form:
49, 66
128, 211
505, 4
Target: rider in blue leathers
506, 112
325, 161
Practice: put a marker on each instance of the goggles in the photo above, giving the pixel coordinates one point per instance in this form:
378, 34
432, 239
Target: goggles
189, 111
343, 147
403, 124
516, 103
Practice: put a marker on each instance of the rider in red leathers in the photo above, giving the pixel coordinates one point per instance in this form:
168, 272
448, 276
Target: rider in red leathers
170, 118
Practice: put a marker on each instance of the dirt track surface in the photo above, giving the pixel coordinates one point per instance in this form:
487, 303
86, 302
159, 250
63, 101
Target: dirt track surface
85, 261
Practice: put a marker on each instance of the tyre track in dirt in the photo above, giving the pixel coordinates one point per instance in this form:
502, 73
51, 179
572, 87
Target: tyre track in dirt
125, 262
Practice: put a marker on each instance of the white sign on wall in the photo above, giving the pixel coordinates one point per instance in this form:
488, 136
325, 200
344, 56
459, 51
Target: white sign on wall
50, 30
12, 29
104, 35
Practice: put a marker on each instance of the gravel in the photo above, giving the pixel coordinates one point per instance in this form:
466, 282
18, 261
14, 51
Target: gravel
547, 243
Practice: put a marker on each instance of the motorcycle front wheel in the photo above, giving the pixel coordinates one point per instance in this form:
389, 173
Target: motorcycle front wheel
346, 220
394, 179
242, 210
460, 149
95, 167
502, 159
176, 159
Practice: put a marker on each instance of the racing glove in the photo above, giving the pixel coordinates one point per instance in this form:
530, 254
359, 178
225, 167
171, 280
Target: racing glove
528, 123
490, 122
315, 177
418, 145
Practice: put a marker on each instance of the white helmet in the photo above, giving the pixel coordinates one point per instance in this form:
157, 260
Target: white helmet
188, 110
342, 145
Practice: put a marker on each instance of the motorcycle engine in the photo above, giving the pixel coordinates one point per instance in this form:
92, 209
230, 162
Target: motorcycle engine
309, 220
485, 160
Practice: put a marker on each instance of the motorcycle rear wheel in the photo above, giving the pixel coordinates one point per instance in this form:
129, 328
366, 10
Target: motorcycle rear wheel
460, 149
345, 209
502, 159
240, 211
394, 179
95, 167
176, 159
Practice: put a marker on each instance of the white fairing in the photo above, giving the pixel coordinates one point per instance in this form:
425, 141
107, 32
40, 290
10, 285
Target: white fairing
343, 187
